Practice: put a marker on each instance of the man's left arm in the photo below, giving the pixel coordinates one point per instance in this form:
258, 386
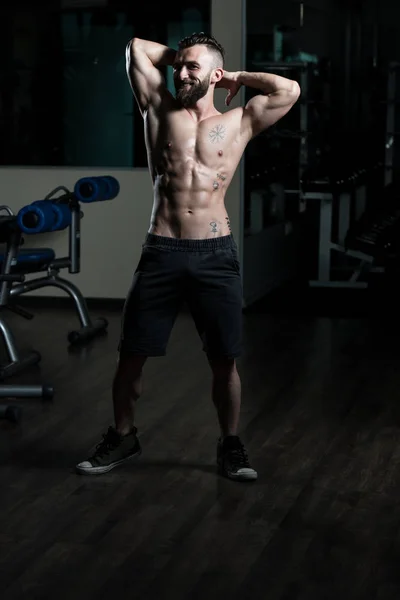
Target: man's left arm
278, 95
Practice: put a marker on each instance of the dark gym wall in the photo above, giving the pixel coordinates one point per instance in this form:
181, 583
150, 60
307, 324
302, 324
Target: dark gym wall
354, 35
351, 44
30, 127
358, 40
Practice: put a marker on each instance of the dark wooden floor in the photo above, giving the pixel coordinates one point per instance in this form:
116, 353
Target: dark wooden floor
320, 418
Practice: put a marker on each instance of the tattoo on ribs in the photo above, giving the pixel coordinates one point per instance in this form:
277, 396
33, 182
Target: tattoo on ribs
228, 223
217, 134
213, 227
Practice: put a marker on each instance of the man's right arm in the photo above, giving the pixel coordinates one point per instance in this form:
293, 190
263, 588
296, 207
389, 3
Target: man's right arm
142, 61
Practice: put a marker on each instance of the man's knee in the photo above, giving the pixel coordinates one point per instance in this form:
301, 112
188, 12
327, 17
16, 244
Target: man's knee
222, 366
130, 365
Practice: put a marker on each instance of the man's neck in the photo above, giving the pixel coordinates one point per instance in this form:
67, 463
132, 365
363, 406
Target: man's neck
203, 109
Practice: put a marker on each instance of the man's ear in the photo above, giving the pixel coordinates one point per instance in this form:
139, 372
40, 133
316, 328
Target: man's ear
217, 75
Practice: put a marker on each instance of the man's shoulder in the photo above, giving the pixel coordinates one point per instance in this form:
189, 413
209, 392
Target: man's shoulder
164, 103
233, 114
231, 118
230, 114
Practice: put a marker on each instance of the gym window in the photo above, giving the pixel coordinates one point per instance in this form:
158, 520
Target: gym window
65, 99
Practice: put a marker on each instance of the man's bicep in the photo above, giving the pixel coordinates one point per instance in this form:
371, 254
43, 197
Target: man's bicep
261, 112
146, 80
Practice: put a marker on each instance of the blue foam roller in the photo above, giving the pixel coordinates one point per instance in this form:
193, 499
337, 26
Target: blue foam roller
91, 189
36, 218
61, 212
64, 216
113, 184
96, 189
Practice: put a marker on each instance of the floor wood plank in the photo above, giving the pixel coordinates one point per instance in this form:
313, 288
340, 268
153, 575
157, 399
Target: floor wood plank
320, 418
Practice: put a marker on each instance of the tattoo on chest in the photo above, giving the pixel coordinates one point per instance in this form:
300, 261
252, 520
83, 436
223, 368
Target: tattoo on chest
217, 134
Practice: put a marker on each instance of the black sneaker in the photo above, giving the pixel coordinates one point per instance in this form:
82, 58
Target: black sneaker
114, 450
233, 461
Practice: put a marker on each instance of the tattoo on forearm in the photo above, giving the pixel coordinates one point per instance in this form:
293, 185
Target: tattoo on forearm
217, 134
214, 228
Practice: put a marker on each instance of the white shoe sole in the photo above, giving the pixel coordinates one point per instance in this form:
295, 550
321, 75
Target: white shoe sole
245, 475
105, 468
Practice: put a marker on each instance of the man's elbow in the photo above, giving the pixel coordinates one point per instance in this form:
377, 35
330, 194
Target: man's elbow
133, 52
286, 97
135, 41
133, 45
295, 90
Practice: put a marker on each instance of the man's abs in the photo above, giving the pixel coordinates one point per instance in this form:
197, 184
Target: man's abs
192, 165
191, 215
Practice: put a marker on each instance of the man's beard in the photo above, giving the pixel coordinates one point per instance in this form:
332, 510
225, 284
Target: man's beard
188, 95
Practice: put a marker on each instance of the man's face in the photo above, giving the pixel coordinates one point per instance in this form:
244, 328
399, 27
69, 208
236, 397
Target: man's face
192, 73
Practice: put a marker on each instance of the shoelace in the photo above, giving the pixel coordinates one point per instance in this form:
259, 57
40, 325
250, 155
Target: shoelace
239, 457
104, 447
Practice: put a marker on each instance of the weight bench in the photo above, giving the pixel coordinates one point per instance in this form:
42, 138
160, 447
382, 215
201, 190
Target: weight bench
12, 412
45, 216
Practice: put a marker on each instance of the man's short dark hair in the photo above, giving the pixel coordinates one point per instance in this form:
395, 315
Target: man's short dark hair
206, 40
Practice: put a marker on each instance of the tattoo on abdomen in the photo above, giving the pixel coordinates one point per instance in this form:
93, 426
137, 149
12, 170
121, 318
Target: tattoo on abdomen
215, 183
217, 134
213, 227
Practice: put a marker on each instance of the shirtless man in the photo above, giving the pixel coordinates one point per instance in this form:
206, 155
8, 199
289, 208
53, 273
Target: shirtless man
189, 253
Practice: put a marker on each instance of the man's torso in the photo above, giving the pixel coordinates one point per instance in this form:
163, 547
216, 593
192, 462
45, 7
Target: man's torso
192, 164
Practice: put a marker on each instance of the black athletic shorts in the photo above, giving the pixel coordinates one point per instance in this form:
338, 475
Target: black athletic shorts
204, 274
